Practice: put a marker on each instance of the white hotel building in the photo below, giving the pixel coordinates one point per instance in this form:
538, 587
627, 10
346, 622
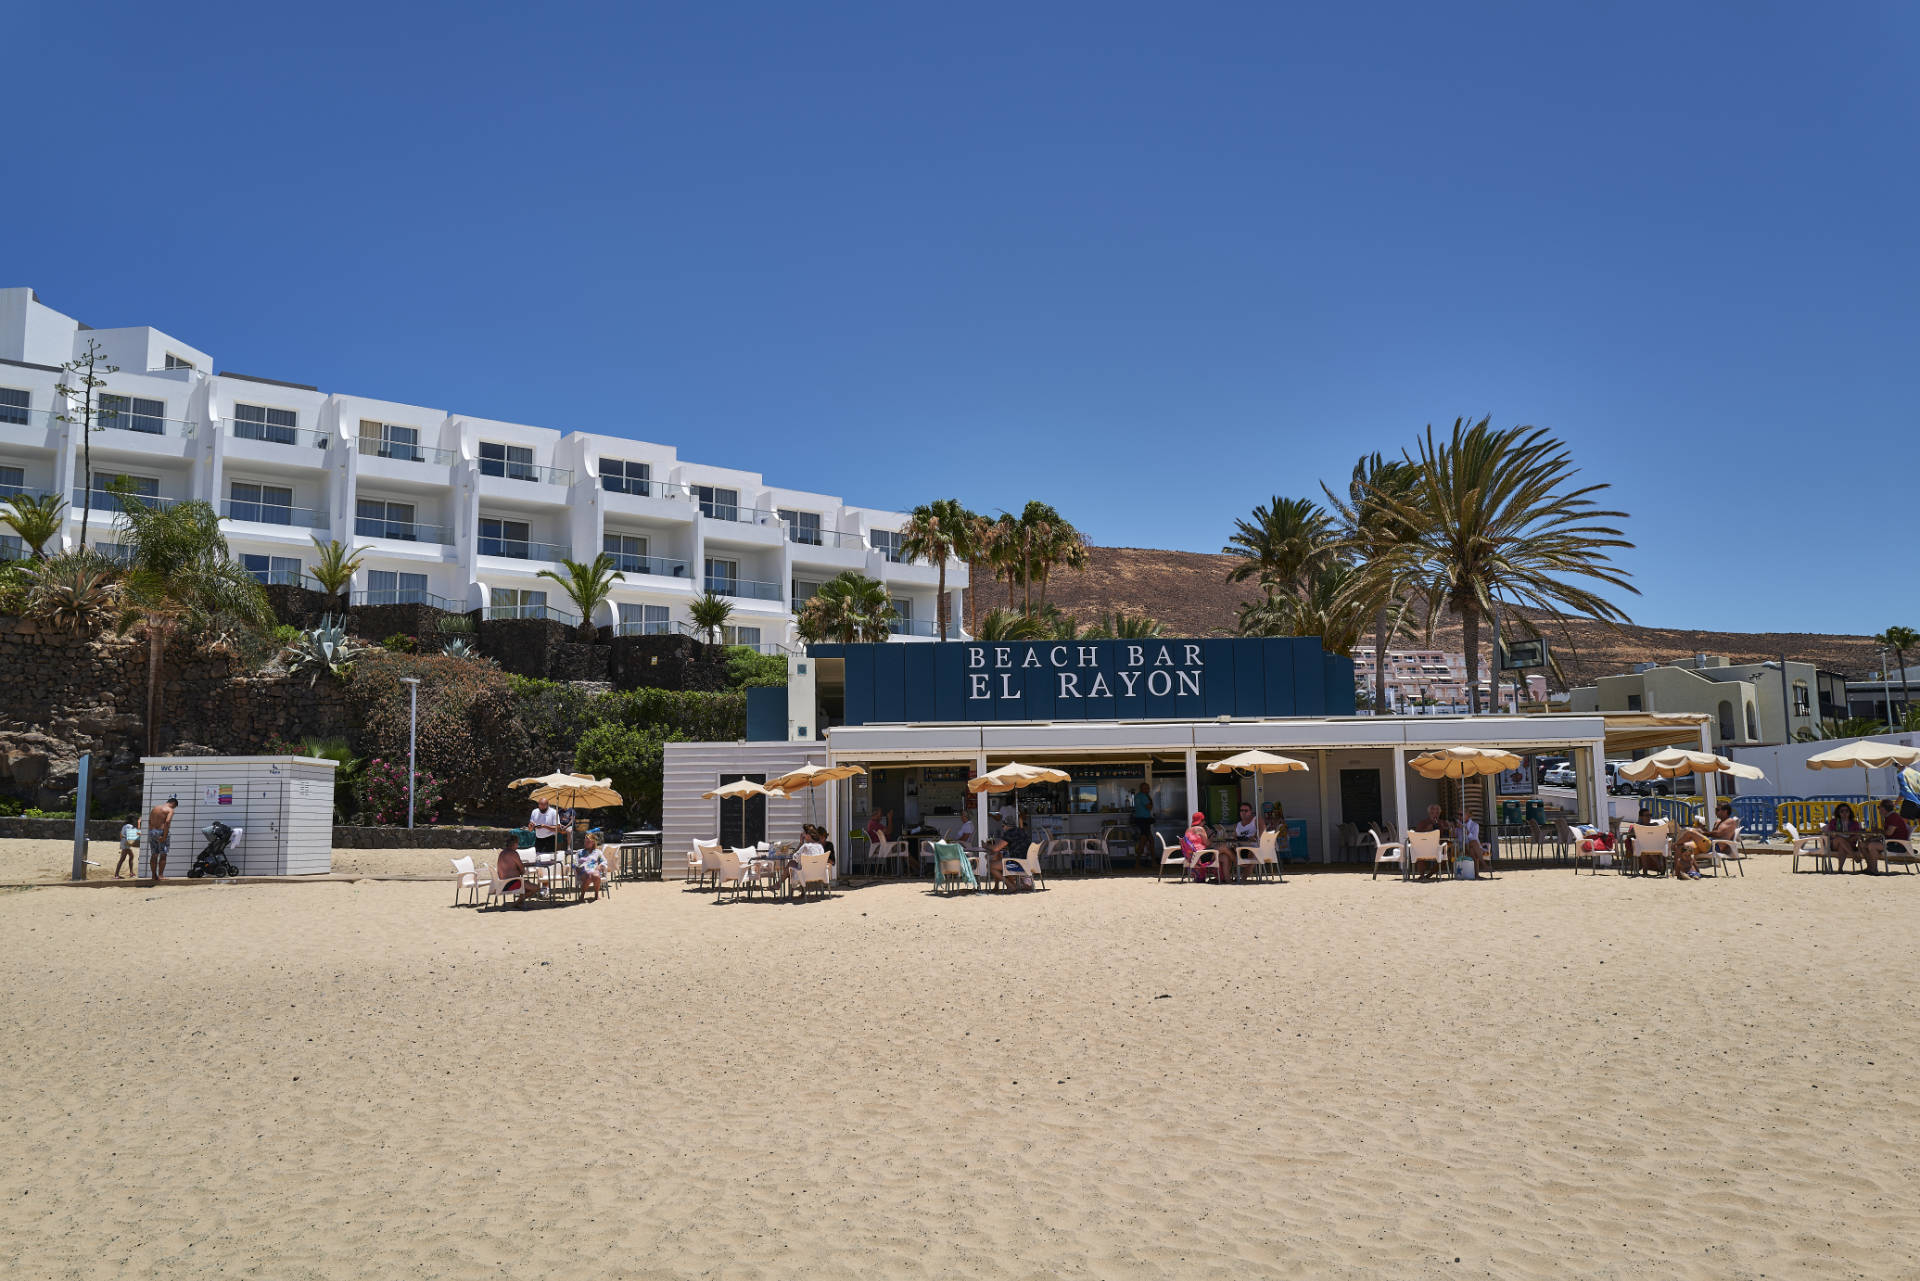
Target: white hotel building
447, 509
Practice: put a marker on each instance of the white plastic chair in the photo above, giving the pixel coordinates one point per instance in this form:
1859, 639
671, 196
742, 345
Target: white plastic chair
497, 888
1726, 853
1431, 847
815, 871
727, 871
1170, 856
1386, 852
1897, 853
1260, 856
700, 861
1094, 854
468, 881
1650, 840
1032, 862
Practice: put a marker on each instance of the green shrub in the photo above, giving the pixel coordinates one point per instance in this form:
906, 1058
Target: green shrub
633, 759
748, 668
32, 812
14, 586
10, 806
400, 643
695, 715
469, 735
285, 634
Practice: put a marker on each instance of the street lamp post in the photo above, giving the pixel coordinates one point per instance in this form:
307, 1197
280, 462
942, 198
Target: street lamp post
413, 719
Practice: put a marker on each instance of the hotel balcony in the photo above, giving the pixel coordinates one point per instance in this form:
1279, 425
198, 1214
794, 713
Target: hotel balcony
28, 491
276, 445
523, 483
302, 518
406, 531
106, 502
650, 499
521, 549
828, 549
415, 465
35, 429
550, 612
656, 566
732, 524
125, 434
744, 589
914, 627
406, 596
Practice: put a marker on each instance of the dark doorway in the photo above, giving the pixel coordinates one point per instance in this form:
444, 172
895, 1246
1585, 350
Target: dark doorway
1360, 797
743, 822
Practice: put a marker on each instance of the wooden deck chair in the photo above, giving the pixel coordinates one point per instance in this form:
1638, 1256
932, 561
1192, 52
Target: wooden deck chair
952, 867
1430, 849
1385, 852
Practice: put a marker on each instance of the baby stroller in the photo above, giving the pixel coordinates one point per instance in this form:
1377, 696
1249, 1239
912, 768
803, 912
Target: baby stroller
213, 860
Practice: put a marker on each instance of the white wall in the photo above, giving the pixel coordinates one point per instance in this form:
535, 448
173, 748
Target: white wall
1788, 775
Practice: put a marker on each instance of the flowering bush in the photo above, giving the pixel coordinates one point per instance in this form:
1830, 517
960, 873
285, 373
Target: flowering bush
383, 788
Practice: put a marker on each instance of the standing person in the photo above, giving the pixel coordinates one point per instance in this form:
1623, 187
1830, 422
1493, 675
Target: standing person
160, 836
129, 847
545, 822
566, 827
1142, 821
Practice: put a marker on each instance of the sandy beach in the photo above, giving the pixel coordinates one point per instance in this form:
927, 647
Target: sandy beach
1542, 1076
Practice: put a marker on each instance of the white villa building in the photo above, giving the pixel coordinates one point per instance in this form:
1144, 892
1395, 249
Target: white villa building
448, 509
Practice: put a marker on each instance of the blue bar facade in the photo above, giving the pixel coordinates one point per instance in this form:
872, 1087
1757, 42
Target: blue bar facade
972, 681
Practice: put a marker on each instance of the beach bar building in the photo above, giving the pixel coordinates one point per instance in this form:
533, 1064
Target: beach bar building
1113, 714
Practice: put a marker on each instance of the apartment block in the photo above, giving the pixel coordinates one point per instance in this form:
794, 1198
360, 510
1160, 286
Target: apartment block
1425, 680
447, 509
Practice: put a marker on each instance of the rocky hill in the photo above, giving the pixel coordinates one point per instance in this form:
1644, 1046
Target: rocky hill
1189, 594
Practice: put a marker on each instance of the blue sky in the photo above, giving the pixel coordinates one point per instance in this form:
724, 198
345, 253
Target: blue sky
1152, 263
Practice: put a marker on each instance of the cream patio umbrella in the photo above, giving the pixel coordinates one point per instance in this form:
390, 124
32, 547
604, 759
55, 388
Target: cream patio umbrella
1462, 763
810, 776
579, 792
1013, 775
738, 790
1678, 762
1258, 764
1864, 755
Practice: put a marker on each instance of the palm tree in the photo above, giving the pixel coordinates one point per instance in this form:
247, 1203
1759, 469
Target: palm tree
1900, 640
1059, 546
939, 531
179, 579
1369, 535
1123, 626
1282, 546
1495, 519
36, 518
1000, 546
849, 607
334, 572
588, 586
1008, 625
1325, 610
710, 612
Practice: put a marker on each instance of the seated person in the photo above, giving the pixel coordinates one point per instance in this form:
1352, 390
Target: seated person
590, 865
1435, 821
1892, 828
510, 872
1013, 842
1844, 834
1196, 843
1469, 838
818, 835
1249, 828
966, 833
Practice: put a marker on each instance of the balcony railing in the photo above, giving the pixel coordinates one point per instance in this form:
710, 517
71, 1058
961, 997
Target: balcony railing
526, 471
738, 514
659, 627
400, 451
825, 538
106, 502
38, 419
142, 424
644, 488
911, 627
275, 434
406, 596
9, 491
659, 566
274, 514
285, 578
408, 531
742, 588
521, 549
551, 612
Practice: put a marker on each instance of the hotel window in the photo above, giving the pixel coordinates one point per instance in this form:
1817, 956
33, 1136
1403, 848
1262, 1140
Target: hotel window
388, 587
731, 635
257, 422
133, 413
272, 569
13, 480
377, 518
803, 592
802, 527
13, 405
139, 486
723, 576
511, 602
503, 537
620, 477
720, 504
269, 504
1801, 705
887, 543
174, 362
629, 551
643, 620
515, 462
389, 440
